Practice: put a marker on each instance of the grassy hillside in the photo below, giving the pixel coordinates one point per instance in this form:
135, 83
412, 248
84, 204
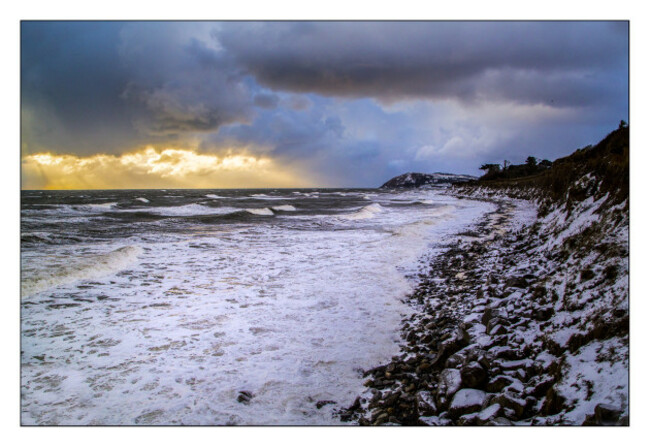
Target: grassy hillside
607, 162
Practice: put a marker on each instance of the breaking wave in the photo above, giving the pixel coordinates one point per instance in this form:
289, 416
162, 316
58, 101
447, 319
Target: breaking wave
91, 267
260, 211
367, 212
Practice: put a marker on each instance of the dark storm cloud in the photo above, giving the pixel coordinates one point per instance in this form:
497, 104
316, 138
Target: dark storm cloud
564, 63
71, 80
92, 87
184, 84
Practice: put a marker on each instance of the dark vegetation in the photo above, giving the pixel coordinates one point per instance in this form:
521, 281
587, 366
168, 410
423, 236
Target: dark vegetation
608, 161
508, 170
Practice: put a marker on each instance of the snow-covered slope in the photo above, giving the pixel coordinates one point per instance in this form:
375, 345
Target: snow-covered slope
416, 179
524, 319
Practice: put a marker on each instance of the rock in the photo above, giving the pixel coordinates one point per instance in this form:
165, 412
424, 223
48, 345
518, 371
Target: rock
552, 403
496, 321
547, 363
450, 347
467, 400
456, 360
244, 397
449, 383
423, 367
468, 419
488, 414
473, 375
462, 334
607, 414
517, 282
525, 364
488, 314
516, 388
541, 386
321, 403
425, 403
543, 313
498, 330
500, 421
381, 418
391, 398
498, 383
531, 406
509, 402
503, 352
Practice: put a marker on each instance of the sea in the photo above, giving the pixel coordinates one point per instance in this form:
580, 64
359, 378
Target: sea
218, 307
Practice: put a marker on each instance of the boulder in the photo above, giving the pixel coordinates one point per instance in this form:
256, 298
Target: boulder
488, 414
495, 321
467, 400
451, 346
541, 385
498, 330
547, 363
518, 282
449, 383
543, 313
503, 352
607, 414
426, 404
473, 375
498, 383
510, 402
500, 421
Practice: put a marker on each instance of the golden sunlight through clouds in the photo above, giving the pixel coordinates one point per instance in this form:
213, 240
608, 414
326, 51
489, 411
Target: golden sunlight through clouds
152, 168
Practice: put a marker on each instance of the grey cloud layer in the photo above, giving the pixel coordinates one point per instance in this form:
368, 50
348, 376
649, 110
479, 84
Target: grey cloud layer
357, 102
563, 62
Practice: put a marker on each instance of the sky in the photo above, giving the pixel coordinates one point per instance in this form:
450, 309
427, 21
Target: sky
308, 104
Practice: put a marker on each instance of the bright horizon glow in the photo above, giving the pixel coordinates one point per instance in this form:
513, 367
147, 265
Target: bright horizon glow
150, 168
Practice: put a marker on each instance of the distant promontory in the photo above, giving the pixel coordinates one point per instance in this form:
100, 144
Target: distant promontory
416, 179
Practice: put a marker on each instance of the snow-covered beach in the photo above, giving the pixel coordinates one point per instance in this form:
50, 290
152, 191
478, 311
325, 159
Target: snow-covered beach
524, 321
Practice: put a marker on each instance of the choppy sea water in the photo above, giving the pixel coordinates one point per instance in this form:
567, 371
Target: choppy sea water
161, 306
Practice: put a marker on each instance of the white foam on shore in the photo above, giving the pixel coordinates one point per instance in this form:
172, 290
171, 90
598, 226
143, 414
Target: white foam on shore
290, 315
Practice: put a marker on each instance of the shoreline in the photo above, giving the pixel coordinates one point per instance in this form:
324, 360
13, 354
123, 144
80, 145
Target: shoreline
479, 348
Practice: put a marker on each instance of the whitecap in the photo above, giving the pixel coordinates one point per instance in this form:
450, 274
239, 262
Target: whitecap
366, 212
192, 209
260, 211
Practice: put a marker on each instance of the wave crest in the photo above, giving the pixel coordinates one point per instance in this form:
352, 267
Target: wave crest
367, 212
91, 267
